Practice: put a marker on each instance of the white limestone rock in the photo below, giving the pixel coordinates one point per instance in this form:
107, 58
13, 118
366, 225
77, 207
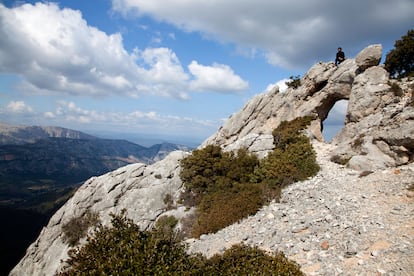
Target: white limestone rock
370, 56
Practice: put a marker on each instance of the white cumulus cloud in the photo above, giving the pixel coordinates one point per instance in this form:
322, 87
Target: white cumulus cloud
294, 33
56, 51
18, 107
281, 84
218, 77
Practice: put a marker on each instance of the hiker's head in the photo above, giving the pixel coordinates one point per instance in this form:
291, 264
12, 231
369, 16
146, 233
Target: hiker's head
339, 49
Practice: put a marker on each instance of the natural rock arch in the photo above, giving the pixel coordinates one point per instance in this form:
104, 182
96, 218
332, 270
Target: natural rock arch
334, 121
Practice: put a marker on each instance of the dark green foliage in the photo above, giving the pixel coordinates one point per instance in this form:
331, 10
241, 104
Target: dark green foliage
283, 167
126, 250
227, 187
210, 169
294, 82
399, 61
289, 132
77, 228
223, 208
166, 224
293, 158
244, 260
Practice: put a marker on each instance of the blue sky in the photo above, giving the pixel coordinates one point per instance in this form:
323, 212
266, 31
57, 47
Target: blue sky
175, 69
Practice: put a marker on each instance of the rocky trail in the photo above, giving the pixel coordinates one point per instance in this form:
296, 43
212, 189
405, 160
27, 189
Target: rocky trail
337, 223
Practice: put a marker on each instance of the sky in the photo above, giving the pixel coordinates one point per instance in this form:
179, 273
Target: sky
173, 70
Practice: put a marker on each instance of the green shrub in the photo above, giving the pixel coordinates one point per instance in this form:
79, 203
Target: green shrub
283, 167
220, 209
399, 62
210, 169
293, 158
124, 249
294, 82
77, 227
166, 224
244, 260
227, 187
289, 132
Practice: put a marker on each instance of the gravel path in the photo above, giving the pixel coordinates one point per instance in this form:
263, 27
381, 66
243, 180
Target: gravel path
337, 223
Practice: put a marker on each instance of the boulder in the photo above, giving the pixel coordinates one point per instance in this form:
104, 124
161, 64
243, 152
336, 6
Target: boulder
367, 93
370, 56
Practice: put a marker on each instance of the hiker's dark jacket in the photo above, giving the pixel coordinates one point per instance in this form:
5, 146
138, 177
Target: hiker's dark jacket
340, 56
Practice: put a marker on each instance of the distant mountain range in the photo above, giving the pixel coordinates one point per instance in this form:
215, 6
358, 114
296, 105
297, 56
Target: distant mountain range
35, 160
19, 134
35, 137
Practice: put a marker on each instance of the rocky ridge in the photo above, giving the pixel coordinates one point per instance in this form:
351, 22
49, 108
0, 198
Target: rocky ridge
19, 134
337, 223
379, 125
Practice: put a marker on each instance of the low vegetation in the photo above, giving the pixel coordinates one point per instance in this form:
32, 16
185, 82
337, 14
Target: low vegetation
77, 228
245, 260
227, 186
124, 249
399, 61
294, 82
396, 89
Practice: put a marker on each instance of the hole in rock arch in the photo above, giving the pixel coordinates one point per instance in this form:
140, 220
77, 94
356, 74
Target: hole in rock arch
335, 120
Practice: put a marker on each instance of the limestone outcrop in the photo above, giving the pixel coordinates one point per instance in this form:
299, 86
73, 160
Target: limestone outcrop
379, 125
370, 56
378, 133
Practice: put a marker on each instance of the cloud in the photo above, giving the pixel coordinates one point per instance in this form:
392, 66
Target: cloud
281, 84
18, 107
218, 77
56, 51
337, 114
71, 115
290, 34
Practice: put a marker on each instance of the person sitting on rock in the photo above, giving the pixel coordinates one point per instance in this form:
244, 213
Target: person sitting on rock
340, 56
